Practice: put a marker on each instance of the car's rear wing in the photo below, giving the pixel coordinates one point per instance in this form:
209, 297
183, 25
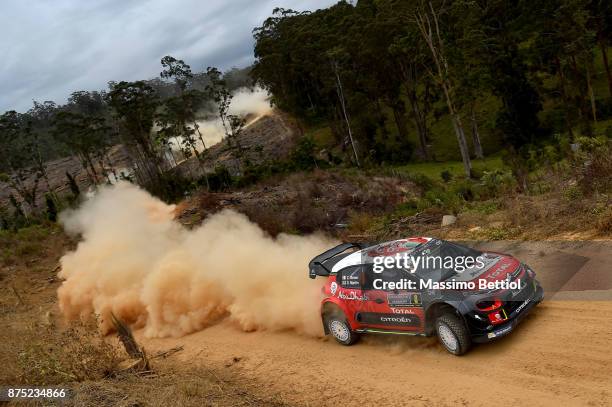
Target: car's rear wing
321, 265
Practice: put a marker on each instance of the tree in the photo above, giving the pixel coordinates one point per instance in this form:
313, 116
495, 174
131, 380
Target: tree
562, 45
86, 137
179, 113
233, 125
134, 105
427, 20
18, 158
600, 17
340, 90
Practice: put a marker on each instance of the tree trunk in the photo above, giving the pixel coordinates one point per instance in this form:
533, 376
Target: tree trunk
398, 117
568, 120
604, 56
475, 135
420, 123
197, 128
463, 147
345, 113
591, 94
428, 27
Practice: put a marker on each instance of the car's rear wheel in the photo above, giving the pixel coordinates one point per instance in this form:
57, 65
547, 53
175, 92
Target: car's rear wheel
453, 334
340, 329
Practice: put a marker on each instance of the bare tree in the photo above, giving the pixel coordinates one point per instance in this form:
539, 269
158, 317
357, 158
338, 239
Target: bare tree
427, 21
340, 92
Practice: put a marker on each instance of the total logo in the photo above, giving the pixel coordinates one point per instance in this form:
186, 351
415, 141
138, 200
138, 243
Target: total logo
333, 287
402, 311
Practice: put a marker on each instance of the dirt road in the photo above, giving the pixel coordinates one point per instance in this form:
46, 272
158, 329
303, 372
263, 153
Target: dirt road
560, 354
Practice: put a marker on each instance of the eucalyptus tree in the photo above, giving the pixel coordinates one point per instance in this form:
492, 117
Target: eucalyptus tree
178, 117
428, 22
134, 105
233, 125
18, 158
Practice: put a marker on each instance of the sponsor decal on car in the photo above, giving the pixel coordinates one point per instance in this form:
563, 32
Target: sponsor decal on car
353, 296
402, 311
374, 318
520, 307
333, 287
404, 300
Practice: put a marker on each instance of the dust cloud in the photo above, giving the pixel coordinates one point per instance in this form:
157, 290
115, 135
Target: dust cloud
245, 102
135, 261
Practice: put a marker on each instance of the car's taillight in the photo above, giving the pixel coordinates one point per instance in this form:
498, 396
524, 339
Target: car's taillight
489, 305
493, 307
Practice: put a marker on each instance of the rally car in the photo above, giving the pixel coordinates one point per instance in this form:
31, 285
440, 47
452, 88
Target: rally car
461, 303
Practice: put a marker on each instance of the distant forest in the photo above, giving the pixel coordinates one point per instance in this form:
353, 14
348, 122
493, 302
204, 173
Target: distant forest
144, 116
389, 74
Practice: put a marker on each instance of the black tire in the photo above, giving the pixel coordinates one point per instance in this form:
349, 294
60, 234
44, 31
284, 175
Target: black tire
339, 328
453, 334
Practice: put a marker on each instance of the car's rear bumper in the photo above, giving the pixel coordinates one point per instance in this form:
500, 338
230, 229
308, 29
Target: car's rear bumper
504, 329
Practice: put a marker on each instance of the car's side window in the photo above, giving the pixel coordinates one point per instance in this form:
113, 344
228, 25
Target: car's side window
348, 277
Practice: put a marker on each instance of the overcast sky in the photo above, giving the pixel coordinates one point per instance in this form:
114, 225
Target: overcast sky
49, 48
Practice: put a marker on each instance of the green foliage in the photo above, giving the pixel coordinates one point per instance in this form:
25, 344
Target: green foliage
446, 176
572, 193
220, 179
303, 155
421, 180
484, 207
496, 182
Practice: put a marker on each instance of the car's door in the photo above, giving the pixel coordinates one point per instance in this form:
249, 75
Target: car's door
391, 309
348, 289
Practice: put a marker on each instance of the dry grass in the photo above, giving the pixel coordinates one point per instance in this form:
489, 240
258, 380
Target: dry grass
48, 356
170, 387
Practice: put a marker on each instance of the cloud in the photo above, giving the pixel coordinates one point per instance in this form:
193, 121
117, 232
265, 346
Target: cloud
51, 49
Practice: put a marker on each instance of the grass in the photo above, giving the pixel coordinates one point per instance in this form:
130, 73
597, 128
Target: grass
455, 168
322, 135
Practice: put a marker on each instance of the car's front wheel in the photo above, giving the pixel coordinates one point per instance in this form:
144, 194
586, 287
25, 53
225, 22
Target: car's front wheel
340, 329
453, 334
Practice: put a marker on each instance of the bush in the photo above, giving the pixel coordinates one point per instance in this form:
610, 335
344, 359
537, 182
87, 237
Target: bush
421, 180
303, 155
593, 165
446, 176
440, 198
220, 179
572, 193
496, 182
604, 223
